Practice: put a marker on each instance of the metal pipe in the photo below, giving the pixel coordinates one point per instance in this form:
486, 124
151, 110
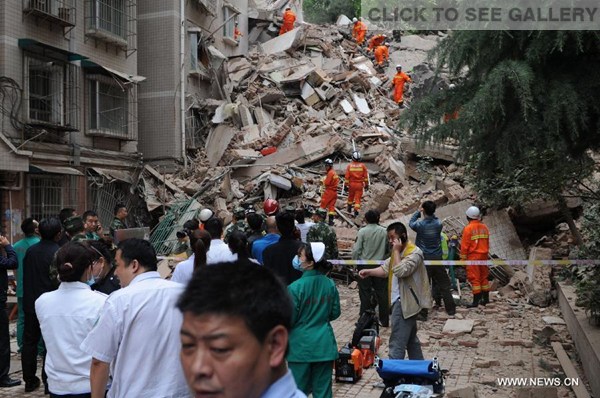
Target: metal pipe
182, 78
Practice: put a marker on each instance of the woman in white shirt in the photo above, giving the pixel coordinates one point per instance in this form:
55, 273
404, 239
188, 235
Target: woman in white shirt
66, 317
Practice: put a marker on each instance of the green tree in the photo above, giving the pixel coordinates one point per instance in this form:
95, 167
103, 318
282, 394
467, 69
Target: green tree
327, 11
528, 111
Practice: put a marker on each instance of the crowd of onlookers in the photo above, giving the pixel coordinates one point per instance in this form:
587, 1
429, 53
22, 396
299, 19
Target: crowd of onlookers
246, 314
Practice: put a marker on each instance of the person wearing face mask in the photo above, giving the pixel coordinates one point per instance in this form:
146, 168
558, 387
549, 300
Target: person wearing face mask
66, 317
106, 282
312, 347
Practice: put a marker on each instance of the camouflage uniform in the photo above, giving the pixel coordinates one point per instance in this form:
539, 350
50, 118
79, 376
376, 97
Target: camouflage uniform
240, 225
321, 232
79, 237
92, 236
115, 225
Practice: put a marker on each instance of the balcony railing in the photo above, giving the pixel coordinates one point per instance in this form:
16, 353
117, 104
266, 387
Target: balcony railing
61, 12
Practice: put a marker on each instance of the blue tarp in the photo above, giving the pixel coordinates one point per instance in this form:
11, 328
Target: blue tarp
394, 368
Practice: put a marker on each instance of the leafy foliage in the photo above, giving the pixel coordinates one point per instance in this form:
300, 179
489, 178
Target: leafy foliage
327, 11
529, 109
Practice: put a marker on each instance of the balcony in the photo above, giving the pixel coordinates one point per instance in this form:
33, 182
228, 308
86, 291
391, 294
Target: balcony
59, 12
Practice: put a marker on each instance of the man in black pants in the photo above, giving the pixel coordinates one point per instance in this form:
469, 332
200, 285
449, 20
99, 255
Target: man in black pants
37, 281
429, 240
8, 262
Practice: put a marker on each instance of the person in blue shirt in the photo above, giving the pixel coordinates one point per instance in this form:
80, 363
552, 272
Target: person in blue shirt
237, 318
429, 240
272, 237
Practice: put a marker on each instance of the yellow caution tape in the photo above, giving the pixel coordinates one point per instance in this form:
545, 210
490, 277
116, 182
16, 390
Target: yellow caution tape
477, 262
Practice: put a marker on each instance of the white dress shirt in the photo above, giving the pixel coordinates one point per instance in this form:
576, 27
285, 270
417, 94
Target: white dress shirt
184, 270
219, 253
138, 333
66, 317
304, 229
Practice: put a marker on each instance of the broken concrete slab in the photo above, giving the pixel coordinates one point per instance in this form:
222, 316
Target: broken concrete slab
347, 106
282, 43
280, 182
309, 95
436, 151
553, 320
250, 133
465, 392
540, 277
217, 142
343, 20
245, 115
458, 326
361, 104
305, 152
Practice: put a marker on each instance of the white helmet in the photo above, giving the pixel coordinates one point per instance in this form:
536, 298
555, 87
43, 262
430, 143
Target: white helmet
452, 86
356, 155
205, 214
354, 20
398, 66
328, 162
473, 213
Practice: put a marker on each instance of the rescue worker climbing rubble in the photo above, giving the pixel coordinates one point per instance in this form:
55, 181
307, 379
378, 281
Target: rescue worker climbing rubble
359, 32
289, 18
474, 245
382, 54
330, 184
399, 80
357, 178
376, 41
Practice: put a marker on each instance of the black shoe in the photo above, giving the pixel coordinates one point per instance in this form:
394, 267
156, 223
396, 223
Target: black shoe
451, 313
6, 381
349, 208
485, 298
476, 299
34, 385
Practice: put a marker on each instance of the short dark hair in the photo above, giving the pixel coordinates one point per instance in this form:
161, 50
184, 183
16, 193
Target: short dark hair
140, 250
300, 216
28, 226
399, 229
191, 224
118, 207
73, 259
285, 224
240, 289
429, 207
66, 213
49, 228
89, 213
372, 216
214, 226
103, 248
255, 221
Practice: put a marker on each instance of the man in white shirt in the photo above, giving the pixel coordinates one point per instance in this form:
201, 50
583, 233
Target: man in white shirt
219, 252
137, 333
233, 345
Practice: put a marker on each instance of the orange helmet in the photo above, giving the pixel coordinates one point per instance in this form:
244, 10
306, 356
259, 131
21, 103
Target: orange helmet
270, 207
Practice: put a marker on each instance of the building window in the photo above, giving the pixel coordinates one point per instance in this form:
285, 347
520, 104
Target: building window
229, 19
50, 92
112, 21
45, 195
108, 107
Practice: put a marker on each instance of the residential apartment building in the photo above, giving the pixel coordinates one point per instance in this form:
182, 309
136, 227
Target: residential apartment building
68, 114
183, 43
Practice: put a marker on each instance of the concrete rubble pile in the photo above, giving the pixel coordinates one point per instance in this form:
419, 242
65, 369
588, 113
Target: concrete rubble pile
299, 98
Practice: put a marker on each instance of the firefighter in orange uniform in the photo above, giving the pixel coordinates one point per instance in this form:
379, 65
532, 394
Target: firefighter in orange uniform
475, 245
399, 79
355, 27
453, 115
361, 32
357, 178
330, 184
382, 54
237, 33
376, 41
289, 18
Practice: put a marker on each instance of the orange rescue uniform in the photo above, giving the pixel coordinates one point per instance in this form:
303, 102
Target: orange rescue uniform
376, 41
475, 245
237, 33
357, 177
330, 184
381, 54
361, 32
288, 22
399, 79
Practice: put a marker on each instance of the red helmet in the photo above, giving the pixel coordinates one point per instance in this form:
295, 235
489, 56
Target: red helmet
270, 206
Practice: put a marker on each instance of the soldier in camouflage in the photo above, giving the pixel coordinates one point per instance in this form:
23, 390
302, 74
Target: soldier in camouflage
119, 221
238, 223
321, 232
75, 229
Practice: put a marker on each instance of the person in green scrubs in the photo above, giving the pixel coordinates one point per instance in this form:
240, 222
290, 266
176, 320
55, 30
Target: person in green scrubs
312, 348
